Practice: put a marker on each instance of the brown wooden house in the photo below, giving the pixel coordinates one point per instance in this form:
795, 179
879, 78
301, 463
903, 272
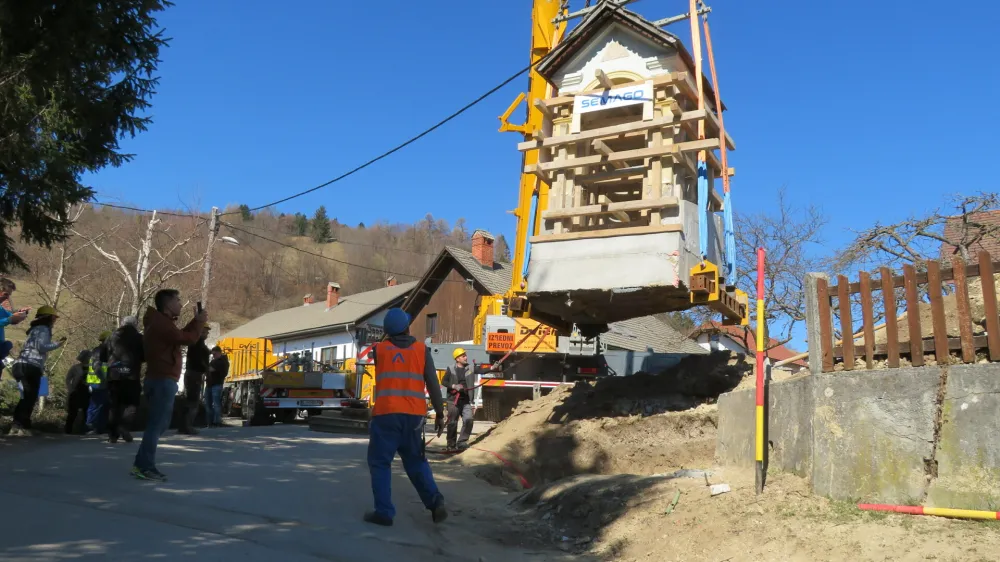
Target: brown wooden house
445, 301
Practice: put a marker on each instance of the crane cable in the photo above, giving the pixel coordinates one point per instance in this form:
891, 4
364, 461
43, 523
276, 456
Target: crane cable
727, 207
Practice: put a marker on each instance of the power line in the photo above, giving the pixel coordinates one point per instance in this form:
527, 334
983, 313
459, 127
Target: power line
338, 241
140, 210
349, 264
412, 140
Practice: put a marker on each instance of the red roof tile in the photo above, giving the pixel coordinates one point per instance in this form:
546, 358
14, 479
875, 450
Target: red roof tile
776, 351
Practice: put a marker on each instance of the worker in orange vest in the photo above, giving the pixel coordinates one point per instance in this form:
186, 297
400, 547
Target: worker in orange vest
403, 368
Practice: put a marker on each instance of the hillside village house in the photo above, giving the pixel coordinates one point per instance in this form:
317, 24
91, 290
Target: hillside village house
713, 336
325, 330
445, 301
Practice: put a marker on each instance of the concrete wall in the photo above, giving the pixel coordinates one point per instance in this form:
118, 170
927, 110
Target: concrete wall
918, 436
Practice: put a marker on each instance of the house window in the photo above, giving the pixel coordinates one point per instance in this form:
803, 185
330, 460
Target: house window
432, 324
328, 355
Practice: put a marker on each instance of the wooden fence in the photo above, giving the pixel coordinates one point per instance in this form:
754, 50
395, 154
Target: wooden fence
932, 282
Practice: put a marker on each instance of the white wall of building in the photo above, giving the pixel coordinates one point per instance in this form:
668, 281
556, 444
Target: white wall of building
722, 342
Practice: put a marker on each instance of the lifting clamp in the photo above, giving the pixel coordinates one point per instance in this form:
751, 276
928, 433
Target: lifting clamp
706, 289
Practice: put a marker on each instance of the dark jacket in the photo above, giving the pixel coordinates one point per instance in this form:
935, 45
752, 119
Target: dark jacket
162, 341
218, 370
126, 355
198, 357
76, 378
430, 373
456, 375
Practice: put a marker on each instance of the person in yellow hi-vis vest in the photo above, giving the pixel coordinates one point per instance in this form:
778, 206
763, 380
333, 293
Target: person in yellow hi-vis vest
97, 374
403, 368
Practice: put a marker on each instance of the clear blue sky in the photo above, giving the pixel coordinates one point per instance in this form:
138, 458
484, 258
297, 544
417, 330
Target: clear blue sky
871, 112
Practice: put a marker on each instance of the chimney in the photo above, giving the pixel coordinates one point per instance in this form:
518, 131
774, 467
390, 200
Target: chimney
391, 282
332, 295
307, 300
482, 248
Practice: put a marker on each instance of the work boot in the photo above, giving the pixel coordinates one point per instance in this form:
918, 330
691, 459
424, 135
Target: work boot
112, 439
378, 519
439, 513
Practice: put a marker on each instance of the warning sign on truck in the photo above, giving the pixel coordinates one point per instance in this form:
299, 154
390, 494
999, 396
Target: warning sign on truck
528, 337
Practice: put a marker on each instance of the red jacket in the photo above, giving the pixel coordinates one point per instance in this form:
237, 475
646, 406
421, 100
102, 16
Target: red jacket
162, 341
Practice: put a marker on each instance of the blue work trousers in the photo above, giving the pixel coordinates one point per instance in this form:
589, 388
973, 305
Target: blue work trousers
404, 434
160, 394
97, 418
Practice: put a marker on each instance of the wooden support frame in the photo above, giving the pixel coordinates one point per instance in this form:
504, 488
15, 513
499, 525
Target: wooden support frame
607, 233
610, 208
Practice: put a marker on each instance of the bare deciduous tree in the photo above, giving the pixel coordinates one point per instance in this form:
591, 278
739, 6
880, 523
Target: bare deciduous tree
958, 228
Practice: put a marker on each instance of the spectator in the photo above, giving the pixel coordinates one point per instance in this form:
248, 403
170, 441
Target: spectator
78, 395
30, 365
162, 342
195, 367
97, 380
8, 317
218, 370
125, 359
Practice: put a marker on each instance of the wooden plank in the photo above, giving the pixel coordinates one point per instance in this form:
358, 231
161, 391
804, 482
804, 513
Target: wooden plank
603, 79
540, 105
825, 324
868, 319
891, 329
714, 121
608, 208
963, 310
846, 325
610, 132
971, 270
602, 148
987, 268
607, 233
939, 323
622, 173
913, 316
658, 81
954, 344
648, 152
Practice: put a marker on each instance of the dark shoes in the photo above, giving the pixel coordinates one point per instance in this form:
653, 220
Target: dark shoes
127, 436
439, 513
148, 474
377, 519
188, 431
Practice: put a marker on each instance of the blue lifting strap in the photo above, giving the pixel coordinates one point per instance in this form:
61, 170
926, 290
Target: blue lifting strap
727, 218
703, 203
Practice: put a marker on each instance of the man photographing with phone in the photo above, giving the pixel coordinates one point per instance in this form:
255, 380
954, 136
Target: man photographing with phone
162, 341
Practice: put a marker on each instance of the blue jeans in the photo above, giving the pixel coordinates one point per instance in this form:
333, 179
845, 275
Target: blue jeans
160, 395
404, 434
96, 418
213, 404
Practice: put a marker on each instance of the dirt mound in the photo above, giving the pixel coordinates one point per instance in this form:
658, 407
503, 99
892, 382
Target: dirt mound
641, 424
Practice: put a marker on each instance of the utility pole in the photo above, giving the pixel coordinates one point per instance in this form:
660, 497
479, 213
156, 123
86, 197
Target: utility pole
213, 230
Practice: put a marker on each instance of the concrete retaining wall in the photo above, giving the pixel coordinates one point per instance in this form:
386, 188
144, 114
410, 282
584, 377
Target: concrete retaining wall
918, 436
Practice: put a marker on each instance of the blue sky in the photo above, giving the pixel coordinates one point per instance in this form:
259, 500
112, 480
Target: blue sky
870, 113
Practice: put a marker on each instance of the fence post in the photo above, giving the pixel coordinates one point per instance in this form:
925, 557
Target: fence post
813, 323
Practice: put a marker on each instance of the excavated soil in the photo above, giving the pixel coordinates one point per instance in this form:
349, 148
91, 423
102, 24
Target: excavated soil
621, 470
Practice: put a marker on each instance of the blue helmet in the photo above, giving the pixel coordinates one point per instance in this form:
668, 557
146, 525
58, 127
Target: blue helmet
396, 321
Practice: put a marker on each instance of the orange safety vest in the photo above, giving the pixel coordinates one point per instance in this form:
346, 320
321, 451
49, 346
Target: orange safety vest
399, 379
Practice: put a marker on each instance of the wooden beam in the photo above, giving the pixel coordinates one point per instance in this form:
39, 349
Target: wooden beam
658, 81
713, 120
898, 282
609, 208
612, 131
542, 176
606, 150
542, 106
634, 154
621, 173
607, 233
603, 79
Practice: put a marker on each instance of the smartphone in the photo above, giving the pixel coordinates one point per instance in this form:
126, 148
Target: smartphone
199, 307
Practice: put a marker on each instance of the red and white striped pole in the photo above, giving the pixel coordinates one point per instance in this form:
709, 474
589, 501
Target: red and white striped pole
759, 409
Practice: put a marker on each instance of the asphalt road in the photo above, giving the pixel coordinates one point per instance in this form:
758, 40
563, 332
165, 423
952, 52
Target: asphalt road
245, 494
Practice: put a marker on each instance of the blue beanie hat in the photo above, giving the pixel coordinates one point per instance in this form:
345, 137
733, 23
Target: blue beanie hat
396, 321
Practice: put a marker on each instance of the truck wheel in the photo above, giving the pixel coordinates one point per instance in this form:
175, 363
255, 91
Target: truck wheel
257, 414
287, 416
